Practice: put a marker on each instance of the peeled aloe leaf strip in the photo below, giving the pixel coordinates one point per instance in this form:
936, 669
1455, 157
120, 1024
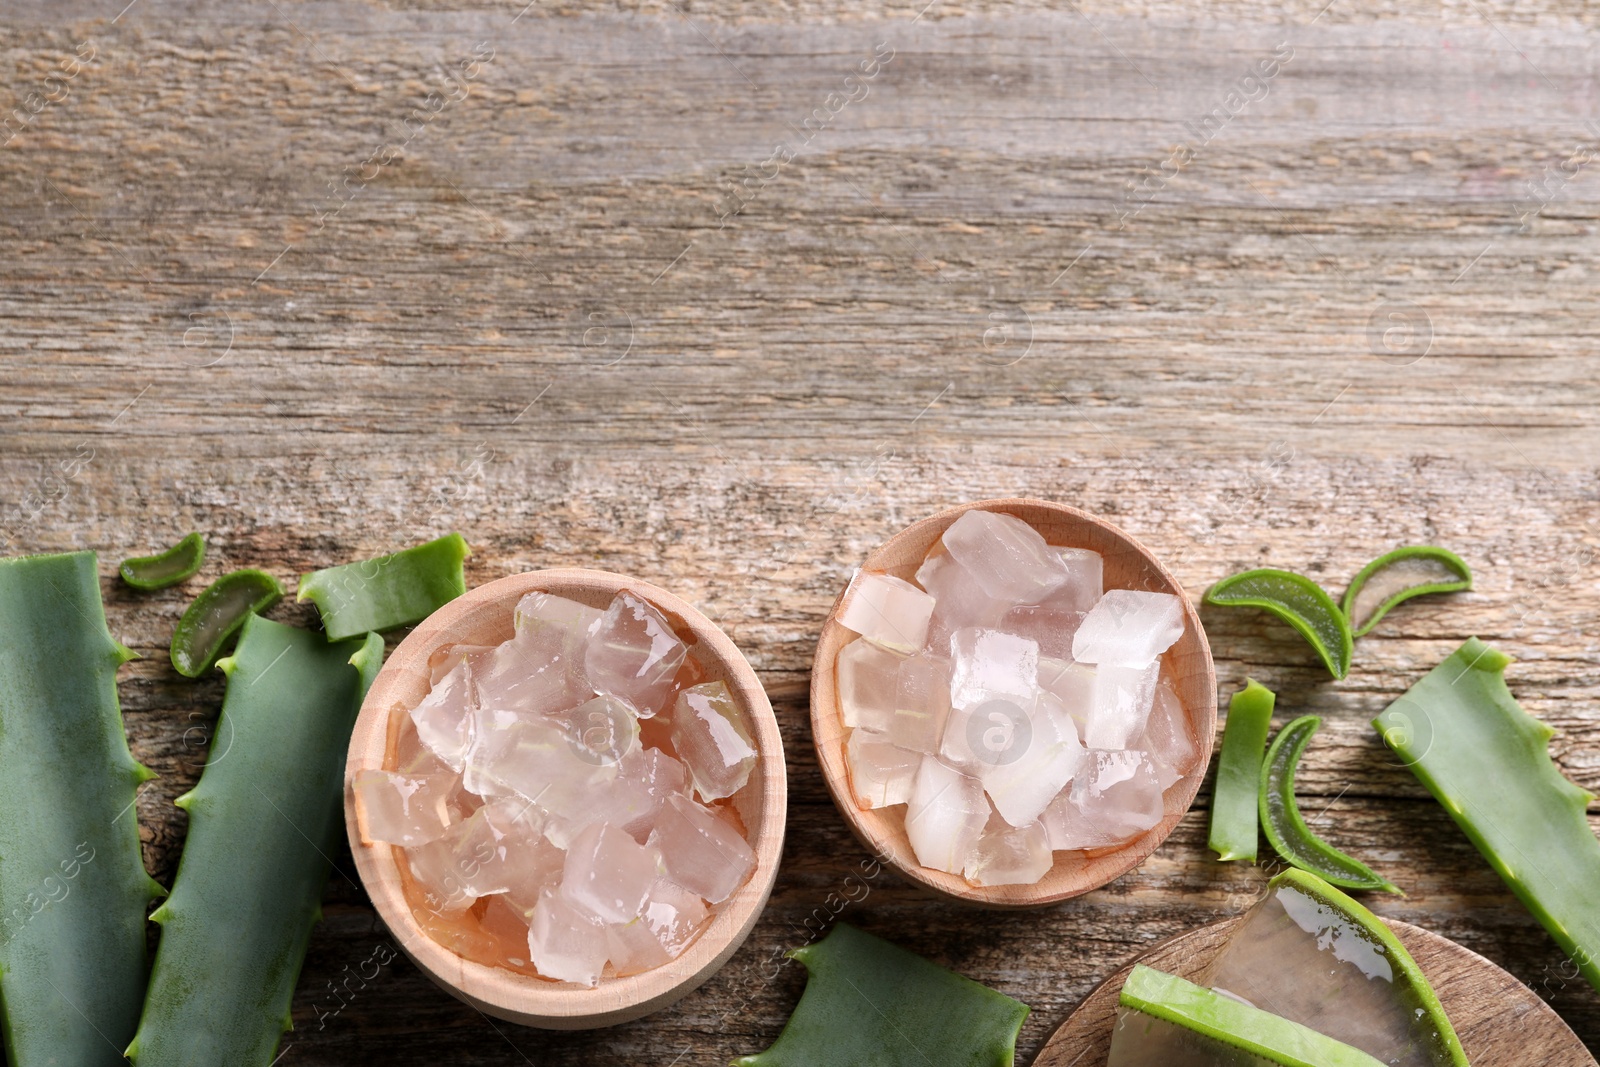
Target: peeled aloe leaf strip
870, 1002
1396, 577
1298, 601
389, 591
73, 890
263, 822
1286, 828
180, 561
1234, 1023
216, 615
1488, 762
1235, 833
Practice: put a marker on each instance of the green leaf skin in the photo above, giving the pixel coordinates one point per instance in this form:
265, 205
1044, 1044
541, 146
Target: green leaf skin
389, 591
216, 615
1234, 830
1287, 829
1298, 601
1488, 762
871, 1004
176, 564
1233, 1023
73, 890
264, 821
1411, 571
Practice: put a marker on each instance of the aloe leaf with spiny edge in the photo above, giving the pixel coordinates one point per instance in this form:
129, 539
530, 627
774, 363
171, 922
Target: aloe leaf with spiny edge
263, 822
388, 591
869, 1002
73, 889
1488, 762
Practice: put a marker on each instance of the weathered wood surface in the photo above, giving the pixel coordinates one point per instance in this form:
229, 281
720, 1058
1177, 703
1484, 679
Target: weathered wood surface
255, 280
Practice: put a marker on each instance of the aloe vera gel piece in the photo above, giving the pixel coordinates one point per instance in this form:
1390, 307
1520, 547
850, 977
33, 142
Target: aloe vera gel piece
868, 1002
216, 615
264, 821
389, 591
177, 563
73, 890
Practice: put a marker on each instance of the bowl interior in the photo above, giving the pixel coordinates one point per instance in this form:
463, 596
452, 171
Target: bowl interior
484, 616
1128, 565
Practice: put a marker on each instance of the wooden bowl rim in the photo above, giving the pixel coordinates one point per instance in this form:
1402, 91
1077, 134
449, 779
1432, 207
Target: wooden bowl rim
1057, 885
521, 998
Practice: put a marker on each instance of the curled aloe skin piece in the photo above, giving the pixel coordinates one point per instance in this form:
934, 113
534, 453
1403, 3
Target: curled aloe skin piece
1234, 804
72, 886
1298, 601
177, 563
1287, 830
1313, 955
216, 615
263, 822
1165, 1016
1398, 576
870, 1002
389, 591
1488, 762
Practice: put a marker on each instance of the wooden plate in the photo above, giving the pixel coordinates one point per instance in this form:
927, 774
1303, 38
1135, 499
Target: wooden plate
1501, 1022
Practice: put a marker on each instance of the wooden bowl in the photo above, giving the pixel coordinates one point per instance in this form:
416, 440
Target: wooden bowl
1128, 565
484, 616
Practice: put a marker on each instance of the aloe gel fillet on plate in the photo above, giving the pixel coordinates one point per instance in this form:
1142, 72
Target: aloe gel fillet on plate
263, 822
73, 890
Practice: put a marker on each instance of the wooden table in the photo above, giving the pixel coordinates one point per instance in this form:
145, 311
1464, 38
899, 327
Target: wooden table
722, 296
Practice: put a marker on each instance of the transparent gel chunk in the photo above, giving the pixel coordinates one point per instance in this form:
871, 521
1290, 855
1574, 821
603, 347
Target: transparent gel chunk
502, 849
539, 609
1118, 792
959, 601
565, 942
444, 717
538, 760
988, 664
701, 851
674, 914
1070, 683
1067, 827
881, 774
1009, 558
608, 873
1172, 748
867, 678
1009, 855
1119, 705
886, 610
1038, 765
1128, 628
403, 809
921, 703
538, 672
602, 730
1048, 627
945, 816
711, 735
634, 655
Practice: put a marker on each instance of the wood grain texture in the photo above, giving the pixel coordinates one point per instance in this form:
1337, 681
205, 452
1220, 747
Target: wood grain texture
257, 282
1500, 1021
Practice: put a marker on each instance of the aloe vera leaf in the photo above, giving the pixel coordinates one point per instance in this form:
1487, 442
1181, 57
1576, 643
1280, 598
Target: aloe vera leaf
1298, 601
73, 890
1312, 954
870, 1002
395, 590
1234, 827
177, 563
1488, 762
264, 821
1398, 576
1285, 827
216, 615
1271, 1038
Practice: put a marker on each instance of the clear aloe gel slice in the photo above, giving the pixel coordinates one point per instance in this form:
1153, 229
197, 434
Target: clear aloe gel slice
1311, 954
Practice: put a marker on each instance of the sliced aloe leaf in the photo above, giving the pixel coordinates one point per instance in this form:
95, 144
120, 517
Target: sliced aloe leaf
1166, 1020
1311, 954
1298, 601
388, 591
1287, 829
1234, 805
870, 1002
216, 615
1398, 576
264, 821
73, 890
1488, 762
177, 563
